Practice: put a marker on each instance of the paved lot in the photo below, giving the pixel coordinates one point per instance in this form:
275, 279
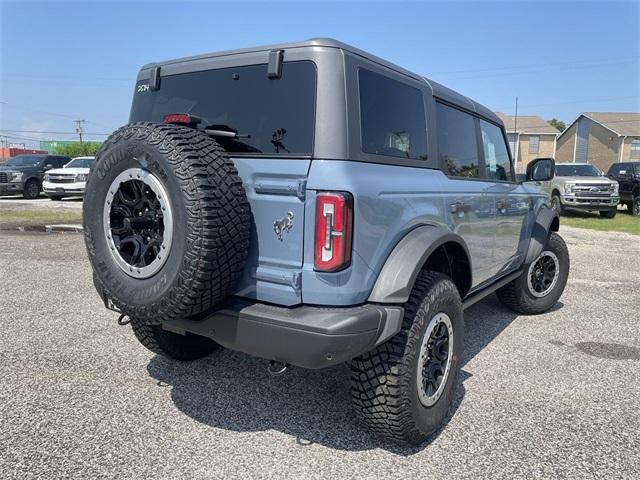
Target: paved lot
555, 395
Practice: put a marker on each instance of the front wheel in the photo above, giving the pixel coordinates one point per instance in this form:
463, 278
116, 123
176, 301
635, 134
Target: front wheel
608, 213
31, 189
635, 207
542, 281
403, 389
556, 204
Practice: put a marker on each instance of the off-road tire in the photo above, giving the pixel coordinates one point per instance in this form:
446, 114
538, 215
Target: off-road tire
172, 345
210, 224
634, 207
608, 213
516, 295
383, 381
31, 189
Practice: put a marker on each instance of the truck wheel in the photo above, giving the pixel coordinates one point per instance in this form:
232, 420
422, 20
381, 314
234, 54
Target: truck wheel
608, 213
403, 389
556, 204
542, 281
31, 189
166, 222
634, 207
179, 347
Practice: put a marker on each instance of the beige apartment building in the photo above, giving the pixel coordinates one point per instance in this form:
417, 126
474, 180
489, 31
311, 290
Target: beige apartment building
601, 138
530, 137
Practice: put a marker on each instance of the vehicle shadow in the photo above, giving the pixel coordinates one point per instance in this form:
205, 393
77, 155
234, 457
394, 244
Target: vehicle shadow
233, 391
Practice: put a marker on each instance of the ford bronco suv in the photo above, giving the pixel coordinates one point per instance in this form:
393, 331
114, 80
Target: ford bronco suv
312, 204
581, 186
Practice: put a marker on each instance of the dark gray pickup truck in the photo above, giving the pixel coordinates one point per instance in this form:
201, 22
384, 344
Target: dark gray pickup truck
23, 174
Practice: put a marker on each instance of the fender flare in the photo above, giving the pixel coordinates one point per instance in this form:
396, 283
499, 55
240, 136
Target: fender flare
543, 225
399, 273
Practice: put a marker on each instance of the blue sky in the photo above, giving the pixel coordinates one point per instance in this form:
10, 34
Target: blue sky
60, 61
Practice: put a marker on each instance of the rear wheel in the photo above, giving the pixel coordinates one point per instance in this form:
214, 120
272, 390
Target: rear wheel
404, 388
542, 281
608, 213
178, 347
635, 207
31, 189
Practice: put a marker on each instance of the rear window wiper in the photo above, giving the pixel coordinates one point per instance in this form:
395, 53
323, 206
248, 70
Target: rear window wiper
224, 131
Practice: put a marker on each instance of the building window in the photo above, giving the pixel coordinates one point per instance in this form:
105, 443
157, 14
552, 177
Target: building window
534, 144
635, 148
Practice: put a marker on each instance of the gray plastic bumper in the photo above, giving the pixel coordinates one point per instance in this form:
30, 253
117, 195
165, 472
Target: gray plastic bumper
306, 336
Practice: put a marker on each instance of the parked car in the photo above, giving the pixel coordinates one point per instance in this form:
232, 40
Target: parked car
313, 204
627, 174
24, 173
581, 186
68, 181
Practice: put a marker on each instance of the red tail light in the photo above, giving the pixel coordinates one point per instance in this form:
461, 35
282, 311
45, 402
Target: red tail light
334, 227
181, 118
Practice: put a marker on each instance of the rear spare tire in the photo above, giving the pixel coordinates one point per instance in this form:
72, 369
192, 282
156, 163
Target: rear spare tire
166, 222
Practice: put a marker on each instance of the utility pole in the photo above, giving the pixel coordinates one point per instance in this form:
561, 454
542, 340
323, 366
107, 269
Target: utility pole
79, 132
516, 142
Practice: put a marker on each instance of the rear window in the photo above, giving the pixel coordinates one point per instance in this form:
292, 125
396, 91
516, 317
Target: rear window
277, 115
392, 117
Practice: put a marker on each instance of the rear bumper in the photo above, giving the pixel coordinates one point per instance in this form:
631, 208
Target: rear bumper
306, 336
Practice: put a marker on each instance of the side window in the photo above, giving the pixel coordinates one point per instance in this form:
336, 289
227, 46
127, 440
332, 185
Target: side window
614, 169
534, 144
457, 142
496, 156
392, 117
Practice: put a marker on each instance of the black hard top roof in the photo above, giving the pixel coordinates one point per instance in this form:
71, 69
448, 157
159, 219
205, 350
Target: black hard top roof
438, 90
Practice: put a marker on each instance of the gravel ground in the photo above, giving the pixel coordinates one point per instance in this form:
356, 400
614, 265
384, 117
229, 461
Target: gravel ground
556, 395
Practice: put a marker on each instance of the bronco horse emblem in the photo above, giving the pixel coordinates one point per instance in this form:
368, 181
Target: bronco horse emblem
283, 225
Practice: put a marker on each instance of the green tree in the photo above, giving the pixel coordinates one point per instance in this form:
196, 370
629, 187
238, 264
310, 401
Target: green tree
77, 149
559, 124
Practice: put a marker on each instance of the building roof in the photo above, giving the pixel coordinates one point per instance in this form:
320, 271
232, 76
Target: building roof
626, 124
527, 124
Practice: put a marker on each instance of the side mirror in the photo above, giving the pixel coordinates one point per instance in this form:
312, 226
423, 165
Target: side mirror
541, 170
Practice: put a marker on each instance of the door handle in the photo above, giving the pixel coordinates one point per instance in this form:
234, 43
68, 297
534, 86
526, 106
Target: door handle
460, 207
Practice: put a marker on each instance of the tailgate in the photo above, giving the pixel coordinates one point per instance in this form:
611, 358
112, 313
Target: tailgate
275, 189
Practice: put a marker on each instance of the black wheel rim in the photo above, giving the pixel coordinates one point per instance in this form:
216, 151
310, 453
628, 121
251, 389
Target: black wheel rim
435, 359
32, 190
138, 223
543, 274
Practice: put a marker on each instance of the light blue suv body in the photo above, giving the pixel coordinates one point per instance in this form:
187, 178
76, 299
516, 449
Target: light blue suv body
427, 173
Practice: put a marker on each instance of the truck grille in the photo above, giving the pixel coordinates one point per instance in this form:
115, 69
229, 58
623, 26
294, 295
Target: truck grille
596, 188
4, 177
62, 178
